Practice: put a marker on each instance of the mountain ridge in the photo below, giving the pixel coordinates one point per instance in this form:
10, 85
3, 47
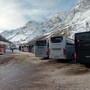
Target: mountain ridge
76, 20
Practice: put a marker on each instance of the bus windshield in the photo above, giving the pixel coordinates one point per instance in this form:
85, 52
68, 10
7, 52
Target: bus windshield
84, 37
41, 43
56, 39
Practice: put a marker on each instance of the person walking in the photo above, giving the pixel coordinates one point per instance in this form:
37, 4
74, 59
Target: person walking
12, 50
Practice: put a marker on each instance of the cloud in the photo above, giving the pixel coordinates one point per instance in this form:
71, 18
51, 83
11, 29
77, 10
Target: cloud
41, 9
15, 13
10, 16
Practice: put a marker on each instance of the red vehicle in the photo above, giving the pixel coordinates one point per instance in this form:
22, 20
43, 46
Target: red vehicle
2, 49
3, 43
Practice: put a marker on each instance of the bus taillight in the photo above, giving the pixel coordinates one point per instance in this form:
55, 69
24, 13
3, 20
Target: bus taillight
0, 49
74, 56
48, 52
64, 51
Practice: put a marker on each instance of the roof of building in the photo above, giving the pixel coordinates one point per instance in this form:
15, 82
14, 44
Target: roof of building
4, 39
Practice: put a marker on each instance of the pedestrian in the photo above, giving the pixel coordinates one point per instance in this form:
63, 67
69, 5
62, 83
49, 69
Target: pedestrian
12, 50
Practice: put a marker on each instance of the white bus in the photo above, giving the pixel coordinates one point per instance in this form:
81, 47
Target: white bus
61, 47
42, 47
24, 48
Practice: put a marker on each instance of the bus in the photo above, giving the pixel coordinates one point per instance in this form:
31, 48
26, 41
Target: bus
82, 47
42, 47
24, 48
61, 47
31, 45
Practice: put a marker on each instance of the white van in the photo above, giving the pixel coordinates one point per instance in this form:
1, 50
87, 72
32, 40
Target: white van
61, 47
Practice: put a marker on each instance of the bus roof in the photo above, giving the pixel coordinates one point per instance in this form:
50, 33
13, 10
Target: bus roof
82, 32
33, 41
45, 37
58, 33
4, 39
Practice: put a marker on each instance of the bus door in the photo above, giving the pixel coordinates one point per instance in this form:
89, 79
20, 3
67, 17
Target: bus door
57, 47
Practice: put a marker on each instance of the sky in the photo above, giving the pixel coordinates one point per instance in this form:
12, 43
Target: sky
16, 13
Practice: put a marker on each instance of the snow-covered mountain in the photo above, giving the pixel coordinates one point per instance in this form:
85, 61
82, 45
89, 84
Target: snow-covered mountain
79, 17
76, 20
32, 30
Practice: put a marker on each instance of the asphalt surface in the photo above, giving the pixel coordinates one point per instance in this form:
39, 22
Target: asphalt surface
8, 54
24, 71
14, 71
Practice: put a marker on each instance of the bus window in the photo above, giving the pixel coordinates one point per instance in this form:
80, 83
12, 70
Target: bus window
56, 39
83, 37
41, 43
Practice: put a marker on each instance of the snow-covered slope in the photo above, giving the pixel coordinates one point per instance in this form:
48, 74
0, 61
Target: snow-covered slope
33, 29
77, 20
79, 17
24, 34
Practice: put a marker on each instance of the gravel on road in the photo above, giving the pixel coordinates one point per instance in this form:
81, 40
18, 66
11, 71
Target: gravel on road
26, 72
